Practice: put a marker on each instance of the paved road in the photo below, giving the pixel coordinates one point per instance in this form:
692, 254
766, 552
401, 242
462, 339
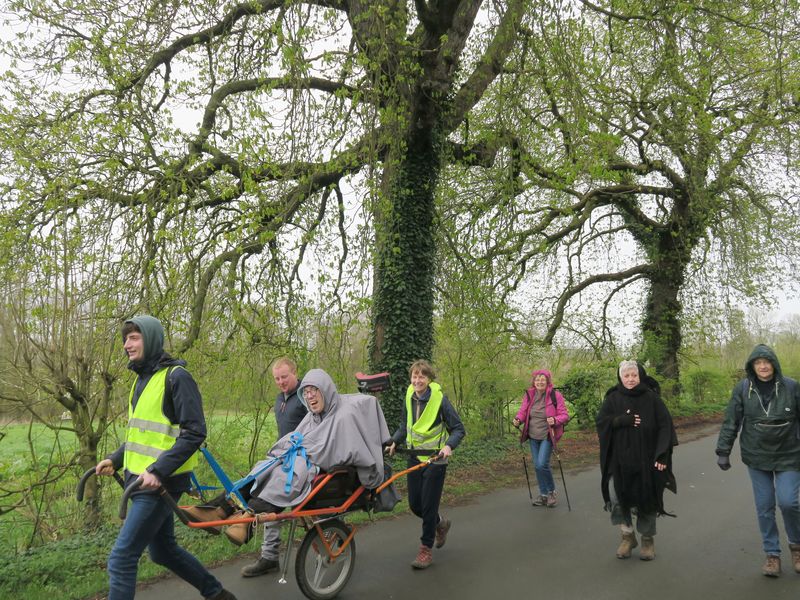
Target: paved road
502, 547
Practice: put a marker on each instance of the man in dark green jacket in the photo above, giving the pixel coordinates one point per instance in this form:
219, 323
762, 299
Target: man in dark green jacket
765, 407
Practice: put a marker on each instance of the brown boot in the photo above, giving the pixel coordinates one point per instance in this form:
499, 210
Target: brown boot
441, 532
203, 514
627, 544
239, 533
648, 551
424, 558
795, 549
772, 566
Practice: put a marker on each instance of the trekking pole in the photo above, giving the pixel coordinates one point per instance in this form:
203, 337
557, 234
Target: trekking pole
525, 466
560, 468
527, 478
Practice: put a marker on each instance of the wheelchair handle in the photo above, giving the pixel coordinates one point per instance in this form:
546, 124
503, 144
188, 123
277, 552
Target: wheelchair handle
123, 504
85, 477
165, 495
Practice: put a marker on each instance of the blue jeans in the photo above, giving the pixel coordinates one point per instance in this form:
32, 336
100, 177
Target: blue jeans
785, 485
150, 525
540, 455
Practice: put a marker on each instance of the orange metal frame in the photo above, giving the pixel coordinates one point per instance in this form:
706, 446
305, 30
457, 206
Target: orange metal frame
300, 512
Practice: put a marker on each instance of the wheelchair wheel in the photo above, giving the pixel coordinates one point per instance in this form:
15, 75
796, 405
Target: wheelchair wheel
319, 576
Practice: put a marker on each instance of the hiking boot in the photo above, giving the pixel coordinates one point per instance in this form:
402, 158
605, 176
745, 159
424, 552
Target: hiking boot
203, 514
648, 551
239, 533
261, 567
551, 500
795, 549
540, 501
441, 532
424, 558
627, 544
772, 566
223, 594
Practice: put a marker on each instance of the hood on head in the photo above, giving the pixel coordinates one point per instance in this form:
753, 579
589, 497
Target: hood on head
548, 390
323, 382
642, 372
544, 372
762, 351
152, 334
644, 379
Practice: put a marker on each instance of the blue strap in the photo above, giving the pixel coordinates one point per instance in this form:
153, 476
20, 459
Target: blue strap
232, 488
290, 456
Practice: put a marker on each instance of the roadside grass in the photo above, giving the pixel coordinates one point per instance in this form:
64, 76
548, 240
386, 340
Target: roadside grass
73, 568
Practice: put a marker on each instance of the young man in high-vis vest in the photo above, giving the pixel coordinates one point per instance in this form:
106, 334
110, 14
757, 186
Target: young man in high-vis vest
166, 427
428, 422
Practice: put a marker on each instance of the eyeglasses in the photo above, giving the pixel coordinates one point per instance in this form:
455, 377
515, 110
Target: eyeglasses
310, 390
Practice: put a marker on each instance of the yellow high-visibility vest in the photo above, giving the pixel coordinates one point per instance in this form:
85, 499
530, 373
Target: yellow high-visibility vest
423, 434
150, 432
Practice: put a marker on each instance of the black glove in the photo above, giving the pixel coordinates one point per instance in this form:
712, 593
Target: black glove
724, 462
623, 421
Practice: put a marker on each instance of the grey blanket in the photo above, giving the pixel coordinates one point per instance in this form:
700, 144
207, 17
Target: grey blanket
350, 430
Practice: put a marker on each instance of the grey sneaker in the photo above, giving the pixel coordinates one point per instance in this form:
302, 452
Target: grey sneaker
551, 500
540, 501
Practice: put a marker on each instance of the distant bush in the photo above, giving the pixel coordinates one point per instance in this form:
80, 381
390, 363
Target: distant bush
585, 388
706, 386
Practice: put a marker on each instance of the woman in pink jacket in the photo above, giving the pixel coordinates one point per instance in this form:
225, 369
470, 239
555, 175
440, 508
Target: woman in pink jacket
543, 415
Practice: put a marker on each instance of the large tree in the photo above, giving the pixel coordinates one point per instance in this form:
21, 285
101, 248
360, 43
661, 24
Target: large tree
655, 152
288, 102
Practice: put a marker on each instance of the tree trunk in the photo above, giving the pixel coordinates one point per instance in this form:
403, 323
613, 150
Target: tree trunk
87, 458
402, 311
661, 326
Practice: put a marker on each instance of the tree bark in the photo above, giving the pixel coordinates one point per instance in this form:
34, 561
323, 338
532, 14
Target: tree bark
405, 264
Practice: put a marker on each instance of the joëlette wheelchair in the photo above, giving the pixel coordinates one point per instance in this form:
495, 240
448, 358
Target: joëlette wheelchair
325, 559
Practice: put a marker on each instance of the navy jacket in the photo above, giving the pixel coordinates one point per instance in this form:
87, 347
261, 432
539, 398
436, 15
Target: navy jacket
289, 411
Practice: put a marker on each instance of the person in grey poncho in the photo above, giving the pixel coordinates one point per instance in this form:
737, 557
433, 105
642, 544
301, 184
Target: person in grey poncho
339, 429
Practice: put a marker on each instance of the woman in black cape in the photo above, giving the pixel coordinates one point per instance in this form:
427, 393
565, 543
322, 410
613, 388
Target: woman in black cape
636, 439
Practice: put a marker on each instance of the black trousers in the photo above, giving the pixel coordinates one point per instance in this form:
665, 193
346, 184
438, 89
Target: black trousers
424, 495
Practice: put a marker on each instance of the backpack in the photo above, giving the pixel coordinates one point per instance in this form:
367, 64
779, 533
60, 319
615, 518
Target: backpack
568, 406
555, 405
